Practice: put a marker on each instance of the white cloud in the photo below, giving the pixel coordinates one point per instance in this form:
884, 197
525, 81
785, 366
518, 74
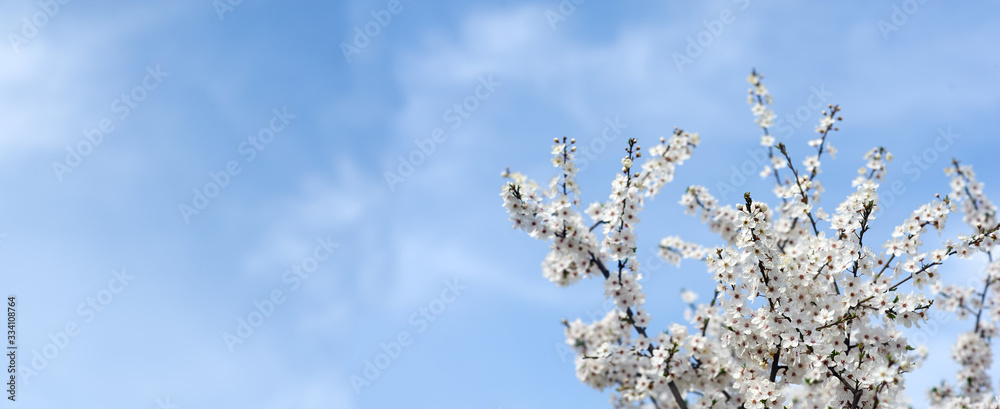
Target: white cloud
64, 78
323, 204
315, 394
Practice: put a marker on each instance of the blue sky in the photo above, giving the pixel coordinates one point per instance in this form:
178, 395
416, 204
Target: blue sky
259, 97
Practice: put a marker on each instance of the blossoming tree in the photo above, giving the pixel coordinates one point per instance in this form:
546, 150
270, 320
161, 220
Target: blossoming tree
806, 311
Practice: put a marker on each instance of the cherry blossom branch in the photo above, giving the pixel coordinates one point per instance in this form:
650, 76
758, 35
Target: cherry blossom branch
565, 153
677, 395
854, 324
869, 207
762, 101
961, 304
666, 151
704, 328
775, 366
857, 397
826, 130
641, 330
599, 222
982, 299
805, 199
989, 254
885, 266
847, 318
958, 170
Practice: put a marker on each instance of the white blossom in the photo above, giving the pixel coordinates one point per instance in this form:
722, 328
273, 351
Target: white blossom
808, 307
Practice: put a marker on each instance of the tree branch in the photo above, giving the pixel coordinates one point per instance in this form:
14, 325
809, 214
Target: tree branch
677, 395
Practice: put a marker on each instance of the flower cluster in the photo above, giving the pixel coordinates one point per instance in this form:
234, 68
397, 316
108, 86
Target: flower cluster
673, 250
807, 310
878, 158
573, 243
979, 211
658, 170
759, 98
979, 299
